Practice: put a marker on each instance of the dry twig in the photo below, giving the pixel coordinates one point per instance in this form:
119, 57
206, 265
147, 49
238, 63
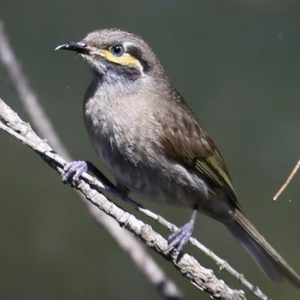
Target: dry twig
287, 181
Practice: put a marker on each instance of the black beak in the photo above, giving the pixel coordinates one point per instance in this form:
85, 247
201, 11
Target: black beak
79, 47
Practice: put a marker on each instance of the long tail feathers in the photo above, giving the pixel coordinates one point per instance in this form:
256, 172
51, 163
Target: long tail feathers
272, 264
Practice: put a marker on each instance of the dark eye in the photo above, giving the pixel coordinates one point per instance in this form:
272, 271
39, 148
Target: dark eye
117, 50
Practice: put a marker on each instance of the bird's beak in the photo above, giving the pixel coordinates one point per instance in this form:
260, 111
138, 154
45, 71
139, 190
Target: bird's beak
79, 47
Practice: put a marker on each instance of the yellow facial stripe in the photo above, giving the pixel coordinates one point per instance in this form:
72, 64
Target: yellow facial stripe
125, 60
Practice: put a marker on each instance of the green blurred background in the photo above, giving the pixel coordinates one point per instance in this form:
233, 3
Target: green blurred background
237, 65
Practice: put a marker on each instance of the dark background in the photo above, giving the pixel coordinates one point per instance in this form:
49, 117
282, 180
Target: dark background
236, 63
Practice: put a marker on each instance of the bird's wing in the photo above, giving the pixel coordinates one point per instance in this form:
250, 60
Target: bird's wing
187, 142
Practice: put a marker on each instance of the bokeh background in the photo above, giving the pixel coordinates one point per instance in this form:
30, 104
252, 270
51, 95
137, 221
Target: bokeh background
237, 64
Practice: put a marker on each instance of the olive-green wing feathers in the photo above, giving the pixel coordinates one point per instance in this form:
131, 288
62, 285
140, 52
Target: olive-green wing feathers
188, 143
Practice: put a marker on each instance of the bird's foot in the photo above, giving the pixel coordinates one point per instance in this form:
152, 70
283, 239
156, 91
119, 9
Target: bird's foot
74, 170
180, 237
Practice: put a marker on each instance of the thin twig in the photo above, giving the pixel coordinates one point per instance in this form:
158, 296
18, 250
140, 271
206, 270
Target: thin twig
287, 181
202, 278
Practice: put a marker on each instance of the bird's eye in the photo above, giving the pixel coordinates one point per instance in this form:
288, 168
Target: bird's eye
117, 50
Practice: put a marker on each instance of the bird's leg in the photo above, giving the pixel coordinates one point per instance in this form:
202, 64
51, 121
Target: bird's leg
75, 169
122, 188
181, 236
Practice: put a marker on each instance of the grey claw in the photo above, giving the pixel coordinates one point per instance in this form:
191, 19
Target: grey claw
180, 237
74, 170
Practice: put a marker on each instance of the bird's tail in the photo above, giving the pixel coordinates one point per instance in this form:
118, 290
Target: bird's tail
272, 264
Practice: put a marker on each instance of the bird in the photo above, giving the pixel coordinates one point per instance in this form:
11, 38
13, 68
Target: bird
154, 145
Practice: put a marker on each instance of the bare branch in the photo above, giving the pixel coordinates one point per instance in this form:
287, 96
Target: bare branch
287, 181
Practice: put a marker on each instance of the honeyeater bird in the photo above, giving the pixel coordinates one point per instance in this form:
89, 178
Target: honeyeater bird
154, 145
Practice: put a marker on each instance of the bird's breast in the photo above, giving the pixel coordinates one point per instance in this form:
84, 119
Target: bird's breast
127, 140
